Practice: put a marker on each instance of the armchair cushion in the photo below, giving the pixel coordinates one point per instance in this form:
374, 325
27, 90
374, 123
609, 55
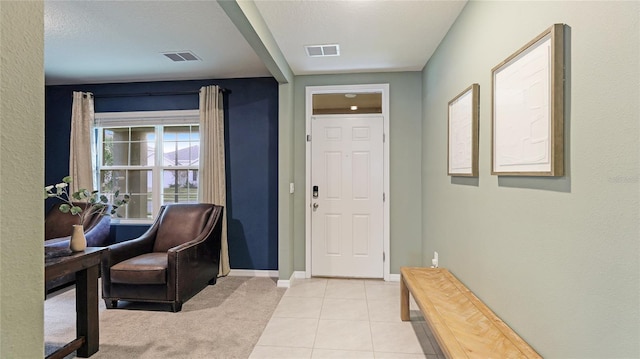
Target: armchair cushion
149, 268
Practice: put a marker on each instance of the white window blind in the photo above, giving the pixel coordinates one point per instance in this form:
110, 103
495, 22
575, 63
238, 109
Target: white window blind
146, 118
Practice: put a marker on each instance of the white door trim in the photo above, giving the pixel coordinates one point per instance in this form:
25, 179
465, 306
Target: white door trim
310, 91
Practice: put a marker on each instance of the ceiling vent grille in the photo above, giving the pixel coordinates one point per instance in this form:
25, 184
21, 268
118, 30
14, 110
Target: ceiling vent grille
322, 50
181, 56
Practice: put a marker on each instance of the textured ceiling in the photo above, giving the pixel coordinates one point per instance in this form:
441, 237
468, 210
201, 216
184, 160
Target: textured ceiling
374, 36
92, 41
123, 41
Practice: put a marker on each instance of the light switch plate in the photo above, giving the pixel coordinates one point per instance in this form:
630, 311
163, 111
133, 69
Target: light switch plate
291, 187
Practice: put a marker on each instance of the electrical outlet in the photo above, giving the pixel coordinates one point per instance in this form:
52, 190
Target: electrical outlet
291, 187
434, 261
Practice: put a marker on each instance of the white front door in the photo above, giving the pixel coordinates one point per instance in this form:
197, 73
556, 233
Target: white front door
347, 201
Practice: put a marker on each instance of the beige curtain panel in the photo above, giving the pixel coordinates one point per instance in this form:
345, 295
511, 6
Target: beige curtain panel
212, 184
80, 165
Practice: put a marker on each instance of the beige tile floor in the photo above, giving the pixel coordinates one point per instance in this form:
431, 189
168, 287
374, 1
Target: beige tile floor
344, 318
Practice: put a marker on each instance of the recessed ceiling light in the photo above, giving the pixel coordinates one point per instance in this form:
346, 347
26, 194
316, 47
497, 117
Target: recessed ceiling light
353, 108
350, 95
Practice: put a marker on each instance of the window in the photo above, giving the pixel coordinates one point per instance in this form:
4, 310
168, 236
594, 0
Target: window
346, 103
153, 156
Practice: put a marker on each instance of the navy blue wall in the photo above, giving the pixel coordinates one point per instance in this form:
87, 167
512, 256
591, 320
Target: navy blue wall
251, 126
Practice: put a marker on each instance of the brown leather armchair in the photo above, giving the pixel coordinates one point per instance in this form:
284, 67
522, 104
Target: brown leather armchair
58, 227
174, 260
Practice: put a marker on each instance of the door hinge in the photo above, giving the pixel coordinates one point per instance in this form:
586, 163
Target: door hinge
308, 138
384, 137
384, 257
384, 197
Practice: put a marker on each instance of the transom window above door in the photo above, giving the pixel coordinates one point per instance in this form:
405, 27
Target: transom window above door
347, 103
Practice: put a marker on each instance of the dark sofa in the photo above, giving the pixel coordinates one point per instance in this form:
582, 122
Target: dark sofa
58, 227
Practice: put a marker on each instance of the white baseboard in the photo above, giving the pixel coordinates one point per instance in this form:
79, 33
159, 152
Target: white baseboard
253, 273
286, 283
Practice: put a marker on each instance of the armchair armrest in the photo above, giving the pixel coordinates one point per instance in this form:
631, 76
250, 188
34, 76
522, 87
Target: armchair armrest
196, 261
98, 235
190, 266
54, 242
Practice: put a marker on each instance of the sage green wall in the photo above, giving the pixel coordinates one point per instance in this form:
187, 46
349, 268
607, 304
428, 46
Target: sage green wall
21, 179
405, 92
285, 176
556, 258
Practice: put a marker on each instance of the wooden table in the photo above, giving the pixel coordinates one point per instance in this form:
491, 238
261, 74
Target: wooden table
86, 266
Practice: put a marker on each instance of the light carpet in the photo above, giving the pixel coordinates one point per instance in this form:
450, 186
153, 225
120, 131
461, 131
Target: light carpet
222, 321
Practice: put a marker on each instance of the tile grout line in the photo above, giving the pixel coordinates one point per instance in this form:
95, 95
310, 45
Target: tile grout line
366, 298
315, 337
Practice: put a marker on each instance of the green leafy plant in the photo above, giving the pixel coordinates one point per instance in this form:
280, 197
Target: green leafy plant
95, 202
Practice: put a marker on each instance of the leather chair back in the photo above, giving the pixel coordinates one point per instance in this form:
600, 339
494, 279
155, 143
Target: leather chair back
180, 224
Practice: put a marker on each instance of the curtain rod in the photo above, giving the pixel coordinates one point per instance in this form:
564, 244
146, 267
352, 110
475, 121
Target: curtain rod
142, 94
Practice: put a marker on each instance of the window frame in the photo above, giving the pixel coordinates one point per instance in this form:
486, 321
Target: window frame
156, 119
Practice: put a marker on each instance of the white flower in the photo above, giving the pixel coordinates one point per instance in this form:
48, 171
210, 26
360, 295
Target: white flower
94, 202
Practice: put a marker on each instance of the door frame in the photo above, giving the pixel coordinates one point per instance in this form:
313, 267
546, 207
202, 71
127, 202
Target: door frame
378, 88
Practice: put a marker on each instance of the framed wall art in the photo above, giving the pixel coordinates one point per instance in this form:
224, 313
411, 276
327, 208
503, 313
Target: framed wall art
528, 108
463, 134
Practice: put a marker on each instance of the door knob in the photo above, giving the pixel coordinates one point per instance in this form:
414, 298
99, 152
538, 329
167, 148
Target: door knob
315, 206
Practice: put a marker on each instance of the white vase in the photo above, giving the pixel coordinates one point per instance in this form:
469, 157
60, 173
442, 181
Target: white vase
78, 241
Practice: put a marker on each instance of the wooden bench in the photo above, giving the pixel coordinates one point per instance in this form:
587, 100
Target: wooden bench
463, 326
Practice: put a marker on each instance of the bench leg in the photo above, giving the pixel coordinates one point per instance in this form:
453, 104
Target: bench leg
404, 300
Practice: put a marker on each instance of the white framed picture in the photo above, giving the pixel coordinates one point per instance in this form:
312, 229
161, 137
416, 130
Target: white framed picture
463, 133
528, 108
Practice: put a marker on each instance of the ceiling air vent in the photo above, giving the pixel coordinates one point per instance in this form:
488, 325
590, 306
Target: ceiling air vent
181, 56
322, 50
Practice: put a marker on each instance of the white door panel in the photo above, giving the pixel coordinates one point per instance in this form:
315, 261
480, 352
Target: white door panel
347, 216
